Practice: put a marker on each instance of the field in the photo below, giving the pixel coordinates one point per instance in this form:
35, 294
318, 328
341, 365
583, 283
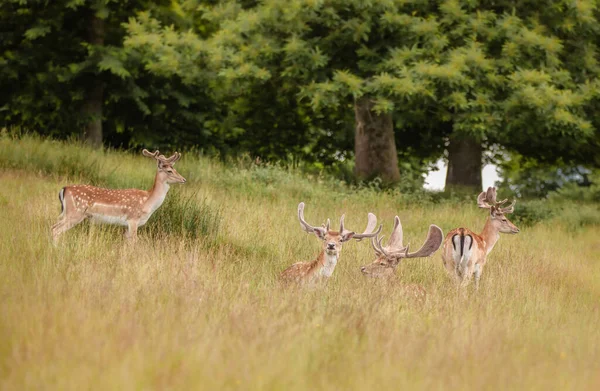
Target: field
196, 304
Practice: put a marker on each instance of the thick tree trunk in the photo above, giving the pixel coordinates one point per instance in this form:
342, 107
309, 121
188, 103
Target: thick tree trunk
92, 111
464, 162
92, 105
374, 143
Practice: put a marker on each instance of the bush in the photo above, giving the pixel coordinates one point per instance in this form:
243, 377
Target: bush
578, 216
529, 213
182, 215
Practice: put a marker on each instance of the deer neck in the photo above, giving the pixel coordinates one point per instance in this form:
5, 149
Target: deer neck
490, 235
327, 263
158, 193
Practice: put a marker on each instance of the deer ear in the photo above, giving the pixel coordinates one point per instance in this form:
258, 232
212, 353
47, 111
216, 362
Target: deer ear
347, 236
320, 232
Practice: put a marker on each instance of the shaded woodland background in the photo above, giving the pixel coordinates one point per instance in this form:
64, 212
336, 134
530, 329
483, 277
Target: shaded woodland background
362, 90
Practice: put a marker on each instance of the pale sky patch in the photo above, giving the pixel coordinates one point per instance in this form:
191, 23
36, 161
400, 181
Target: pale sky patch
436, 180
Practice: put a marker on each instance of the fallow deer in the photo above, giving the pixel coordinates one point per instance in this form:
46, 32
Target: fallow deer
464, 253
390, 256
322, 267
128, 207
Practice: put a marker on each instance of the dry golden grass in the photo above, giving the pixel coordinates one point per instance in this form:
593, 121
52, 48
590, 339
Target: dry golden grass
96, 312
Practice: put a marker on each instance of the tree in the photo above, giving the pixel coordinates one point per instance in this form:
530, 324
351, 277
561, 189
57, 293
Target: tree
477, 73
64, 66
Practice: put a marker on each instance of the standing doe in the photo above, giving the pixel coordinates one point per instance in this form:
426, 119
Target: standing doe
129, 207
322, 267
390, 256
465, 252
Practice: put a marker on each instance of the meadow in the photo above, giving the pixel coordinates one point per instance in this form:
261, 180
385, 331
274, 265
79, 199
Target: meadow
195, 303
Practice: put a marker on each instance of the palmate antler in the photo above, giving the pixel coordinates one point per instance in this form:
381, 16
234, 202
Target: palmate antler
161, 158
487, 200
395, 248
368, 232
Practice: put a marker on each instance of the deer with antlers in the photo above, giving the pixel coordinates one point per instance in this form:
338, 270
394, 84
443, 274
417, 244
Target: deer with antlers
322, 267
128, 207
390, 256
464, 253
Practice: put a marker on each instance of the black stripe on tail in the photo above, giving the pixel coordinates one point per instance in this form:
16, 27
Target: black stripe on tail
61, 198
462, 241
471, 244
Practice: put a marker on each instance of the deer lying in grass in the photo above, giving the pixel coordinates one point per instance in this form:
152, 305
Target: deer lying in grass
322, 267
129, 207
465, 252
390, 256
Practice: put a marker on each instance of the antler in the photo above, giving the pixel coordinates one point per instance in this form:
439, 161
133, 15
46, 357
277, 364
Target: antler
170, 160
508, 209
487, 200
147, 153
161, 158
305, 226
367, 233
394, 247
433, 241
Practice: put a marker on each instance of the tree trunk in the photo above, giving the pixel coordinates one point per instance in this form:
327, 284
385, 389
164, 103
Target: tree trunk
374, 143
92, 105
464, 162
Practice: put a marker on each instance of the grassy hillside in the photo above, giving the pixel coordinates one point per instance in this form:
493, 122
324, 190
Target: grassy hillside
195, 303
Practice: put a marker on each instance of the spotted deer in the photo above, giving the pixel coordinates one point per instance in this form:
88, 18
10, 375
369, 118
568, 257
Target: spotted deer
390, 256
322, 268
128, 207
464, 253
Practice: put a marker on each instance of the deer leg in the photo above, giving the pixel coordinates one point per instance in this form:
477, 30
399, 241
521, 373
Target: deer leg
65, 224
477, 272
57, 229
131, 233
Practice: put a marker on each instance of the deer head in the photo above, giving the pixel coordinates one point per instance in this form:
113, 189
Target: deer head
166, 171
389, 256
333, 240
487, 200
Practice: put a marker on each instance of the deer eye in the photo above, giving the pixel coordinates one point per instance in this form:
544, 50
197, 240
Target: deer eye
382, 263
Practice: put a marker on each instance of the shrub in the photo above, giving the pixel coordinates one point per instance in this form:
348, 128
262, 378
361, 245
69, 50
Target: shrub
529, 213
182, 215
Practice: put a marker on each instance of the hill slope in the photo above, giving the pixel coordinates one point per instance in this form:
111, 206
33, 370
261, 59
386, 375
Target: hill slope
185, 308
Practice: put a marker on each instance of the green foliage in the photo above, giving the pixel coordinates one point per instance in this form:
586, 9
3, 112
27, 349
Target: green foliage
530, 213
500, 73
530, 178
278, 79
184, 215
49, 63
579, 193
580, 216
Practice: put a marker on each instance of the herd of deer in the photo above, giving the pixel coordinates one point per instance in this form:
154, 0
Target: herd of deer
464, 252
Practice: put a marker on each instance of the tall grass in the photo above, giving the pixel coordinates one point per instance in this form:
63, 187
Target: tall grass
174, 311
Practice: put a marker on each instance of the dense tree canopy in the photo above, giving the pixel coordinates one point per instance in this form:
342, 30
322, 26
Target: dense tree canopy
323, 80
523, 75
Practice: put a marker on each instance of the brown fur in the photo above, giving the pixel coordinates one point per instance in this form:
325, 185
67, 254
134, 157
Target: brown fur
308, 272
323, 266
303, 271
390, 256
130, 207
473, 262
